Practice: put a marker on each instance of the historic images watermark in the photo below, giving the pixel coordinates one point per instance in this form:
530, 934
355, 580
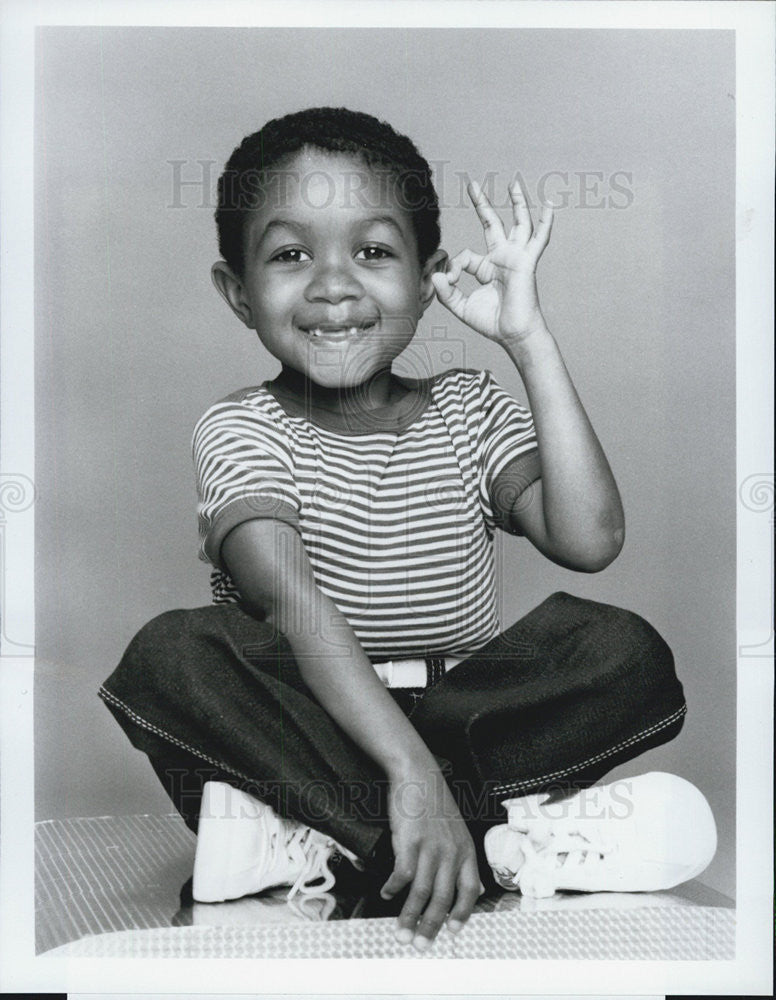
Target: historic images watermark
317, 800
192, 185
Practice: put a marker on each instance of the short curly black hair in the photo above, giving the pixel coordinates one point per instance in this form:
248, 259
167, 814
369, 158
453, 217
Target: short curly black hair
335, 130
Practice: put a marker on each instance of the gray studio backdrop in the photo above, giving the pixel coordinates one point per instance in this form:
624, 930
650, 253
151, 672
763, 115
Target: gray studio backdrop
631, 132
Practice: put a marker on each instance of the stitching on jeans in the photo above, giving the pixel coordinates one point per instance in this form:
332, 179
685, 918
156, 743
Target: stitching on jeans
498, 789
104, 693
515, 786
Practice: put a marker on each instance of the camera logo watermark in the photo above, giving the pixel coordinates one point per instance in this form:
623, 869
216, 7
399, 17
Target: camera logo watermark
756, 494
17, 495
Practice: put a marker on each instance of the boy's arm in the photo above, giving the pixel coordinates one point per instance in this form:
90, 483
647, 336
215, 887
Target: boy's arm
432, 846
573, 514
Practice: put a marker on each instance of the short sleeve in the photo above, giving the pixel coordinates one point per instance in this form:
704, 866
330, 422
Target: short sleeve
508, 452
244, 470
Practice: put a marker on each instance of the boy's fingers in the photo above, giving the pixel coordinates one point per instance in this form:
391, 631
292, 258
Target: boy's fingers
469, 890
397, 881
437, 908
520, 211
428, 900
453, 271
476, 264
403, 873
415, 903
544, 226
493, 226
450, 296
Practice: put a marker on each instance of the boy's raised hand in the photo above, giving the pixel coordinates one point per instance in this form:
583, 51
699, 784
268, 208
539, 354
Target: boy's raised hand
506, 308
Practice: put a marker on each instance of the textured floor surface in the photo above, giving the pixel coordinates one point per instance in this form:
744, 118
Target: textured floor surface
110, 885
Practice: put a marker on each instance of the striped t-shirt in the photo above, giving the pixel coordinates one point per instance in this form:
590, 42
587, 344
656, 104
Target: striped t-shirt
397, 524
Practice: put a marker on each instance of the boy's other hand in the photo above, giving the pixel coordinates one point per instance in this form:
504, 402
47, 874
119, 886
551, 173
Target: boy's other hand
434, 855
506, 308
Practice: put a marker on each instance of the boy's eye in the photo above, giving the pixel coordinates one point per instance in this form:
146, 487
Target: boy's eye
373, 253
292, 255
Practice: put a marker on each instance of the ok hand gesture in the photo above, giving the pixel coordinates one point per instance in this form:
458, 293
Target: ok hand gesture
506, 306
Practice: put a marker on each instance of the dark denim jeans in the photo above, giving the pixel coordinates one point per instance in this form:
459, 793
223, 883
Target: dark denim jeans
572, 689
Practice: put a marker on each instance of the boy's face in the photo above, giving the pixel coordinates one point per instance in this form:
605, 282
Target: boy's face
332, 282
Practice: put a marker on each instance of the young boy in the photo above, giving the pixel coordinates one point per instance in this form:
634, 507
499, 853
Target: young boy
349, 688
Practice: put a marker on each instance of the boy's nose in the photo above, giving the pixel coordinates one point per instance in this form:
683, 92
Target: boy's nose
333, 283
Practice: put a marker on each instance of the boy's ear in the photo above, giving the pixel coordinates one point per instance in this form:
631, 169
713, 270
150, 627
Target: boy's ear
230, 288
436, 262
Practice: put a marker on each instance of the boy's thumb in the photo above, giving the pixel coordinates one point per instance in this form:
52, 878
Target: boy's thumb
448, 294
442, 286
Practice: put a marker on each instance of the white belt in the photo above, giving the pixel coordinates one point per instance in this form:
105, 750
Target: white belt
409, 673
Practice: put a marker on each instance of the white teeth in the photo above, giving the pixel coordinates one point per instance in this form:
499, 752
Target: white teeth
351, 331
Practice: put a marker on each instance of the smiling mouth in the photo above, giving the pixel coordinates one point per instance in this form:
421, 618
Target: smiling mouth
341, 332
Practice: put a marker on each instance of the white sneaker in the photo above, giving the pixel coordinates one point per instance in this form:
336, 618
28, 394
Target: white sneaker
243, 847
635, 835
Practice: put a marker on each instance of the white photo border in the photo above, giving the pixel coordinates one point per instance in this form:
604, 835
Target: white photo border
750, 971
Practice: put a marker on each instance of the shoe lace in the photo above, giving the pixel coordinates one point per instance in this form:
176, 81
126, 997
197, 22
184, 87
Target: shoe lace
548, 849
304, 852
316, 906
